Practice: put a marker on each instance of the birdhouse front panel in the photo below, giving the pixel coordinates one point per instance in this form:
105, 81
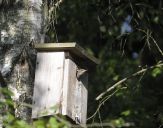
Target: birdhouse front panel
48, 85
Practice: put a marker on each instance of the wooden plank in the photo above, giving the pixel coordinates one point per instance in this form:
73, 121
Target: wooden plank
48, 84
84, 97
69, 87
65, 89
75, 94
78, 105
73, 48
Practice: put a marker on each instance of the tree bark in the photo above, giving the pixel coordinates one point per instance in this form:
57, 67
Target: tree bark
21, 25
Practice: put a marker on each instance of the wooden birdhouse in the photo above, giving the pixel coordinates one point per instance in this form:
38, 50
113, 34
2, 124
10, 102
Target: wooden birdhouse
61, 80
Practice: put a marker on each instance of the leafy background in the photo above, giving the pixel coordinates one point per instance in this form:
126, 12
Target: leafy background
126, 36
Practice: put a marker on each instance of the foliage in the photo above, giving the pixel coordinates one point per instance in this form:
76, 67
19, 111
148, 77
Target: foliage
10, 121
98, 26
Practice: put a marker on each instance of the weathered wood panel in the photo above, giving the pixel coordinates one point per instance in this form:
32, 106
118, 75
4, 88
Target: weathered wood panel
75, 94
69, 87
48, 86
83, 81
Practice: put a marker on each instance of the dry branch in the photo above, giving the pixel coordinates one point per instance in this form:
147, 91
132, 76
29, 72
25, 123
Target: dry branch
125, 79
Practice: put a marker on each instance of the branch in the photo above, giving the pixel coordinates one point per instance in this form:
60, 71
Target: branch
125, 79
102, 102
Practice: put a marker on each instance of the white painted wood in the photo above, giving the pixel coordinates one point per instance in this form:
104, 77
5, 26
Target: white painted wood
48, 84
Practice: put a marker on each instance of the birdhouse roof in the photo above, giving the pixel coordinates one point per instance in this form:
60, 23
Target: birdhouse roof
73, 48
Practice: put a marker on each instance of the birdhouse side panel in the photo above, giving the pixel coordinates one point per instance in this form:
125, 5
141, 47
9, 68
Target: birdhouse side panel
75, 93
81, 99
84, 98
48, 84
69, 87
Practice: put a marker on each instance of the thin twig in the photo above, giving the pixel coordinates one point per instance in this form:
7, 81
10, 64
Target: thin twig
125, 79
102, 103
159, 49
99, 115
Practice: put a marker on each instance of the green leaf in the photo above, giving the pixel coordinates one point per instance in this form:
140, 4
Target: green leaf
156, 72
39, 124
126, 113
53, 123
22, 124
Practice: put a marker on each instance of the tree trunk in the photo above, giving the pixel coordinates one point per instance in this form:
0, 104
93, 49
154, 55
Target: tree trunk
21, 25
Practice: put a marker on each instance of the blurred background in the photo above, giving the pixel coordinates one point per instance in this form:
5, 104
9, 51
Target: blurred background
126, 36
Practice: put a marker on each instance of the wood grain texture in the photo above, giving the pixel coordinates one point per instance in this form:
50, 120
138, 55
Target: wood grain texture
83, 81
69, 87
75, 94
48, 84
